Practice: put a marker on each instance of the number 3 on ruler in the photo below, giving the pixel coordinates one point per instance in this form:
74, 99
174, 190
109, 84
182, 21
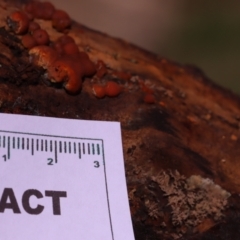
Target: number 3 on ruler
96, 164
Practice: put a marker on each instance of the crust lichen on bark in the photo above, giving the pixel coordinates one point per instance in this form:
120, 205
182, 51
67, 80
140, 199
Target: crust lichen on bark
180, 131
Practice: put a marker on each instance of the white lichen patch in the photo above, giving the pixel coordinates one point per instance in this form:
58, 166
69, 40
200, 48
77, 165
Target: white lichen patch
193, 199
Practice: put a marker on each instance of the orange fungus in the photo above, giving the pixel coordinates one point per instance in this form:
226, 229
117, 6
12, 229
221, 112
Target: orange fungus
43, 56
28, 41
98, 91
18, 21
70, 48
61, 20
41, 36
33, 26
112, 89
48, 10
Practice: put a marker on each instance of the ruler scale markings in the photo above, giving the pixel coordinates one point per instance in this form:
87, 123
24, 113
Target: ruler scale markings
60, 146
8, 154
32, 146
98, 149
65, 147
83, 148
74, 147
13, 143
79, 150
46, 146
89, 149
55, 143
93, 149
23, 143
41, 144
69, 146
86, 147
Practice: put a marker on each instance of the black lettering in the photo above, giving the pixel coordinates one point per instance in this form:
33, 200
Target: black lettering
56, 195
25, 201
12, 204
96, 164
50, 161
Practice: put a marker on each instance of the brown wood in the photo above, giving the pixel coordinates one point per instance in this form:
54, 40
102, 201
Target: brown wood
192, 127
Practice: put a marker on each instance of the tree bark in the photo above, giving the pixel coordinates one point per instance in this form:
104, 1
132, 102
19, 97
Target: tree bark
191, 126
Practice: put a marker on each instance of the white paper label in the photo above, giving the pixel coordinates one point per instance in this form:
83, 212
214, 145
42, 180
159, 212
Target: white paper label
62, 179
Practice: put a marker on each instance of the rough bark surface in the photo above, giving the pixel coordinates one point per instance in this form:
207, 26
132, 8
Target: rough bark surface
192, 127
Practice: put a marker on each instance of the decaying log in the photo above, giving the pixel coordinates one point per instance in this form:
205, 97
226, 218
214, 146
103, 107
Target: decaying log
180, 130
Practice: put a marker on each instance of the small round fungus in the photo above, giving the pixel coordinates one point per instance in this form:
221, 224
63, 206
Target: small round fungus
98, 91
18, 21
48, 10
61, 20
70, 49
41, 36
33, 26
113, 89
41, 10
64, 39
34, 8
28, 41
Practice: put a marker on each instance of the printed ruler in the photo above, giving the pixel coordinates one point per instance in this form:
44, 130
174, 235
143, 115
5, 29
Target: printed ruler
62, 179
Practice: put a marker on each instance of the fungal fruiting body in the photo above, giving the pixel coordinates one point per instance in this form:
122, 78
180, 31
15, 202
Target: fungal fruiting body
70, 49
113, 89
65, 70
43, 56
33, 26
99, 91
61, 20
41, 36
59, 69
63, 61
28, 41
47, 10
18, 21
41, 10
61, 41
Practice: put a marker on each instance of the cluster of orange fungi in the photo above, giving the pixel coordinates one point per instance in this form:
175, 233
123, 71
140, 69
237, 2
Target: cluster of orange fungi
63, 61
